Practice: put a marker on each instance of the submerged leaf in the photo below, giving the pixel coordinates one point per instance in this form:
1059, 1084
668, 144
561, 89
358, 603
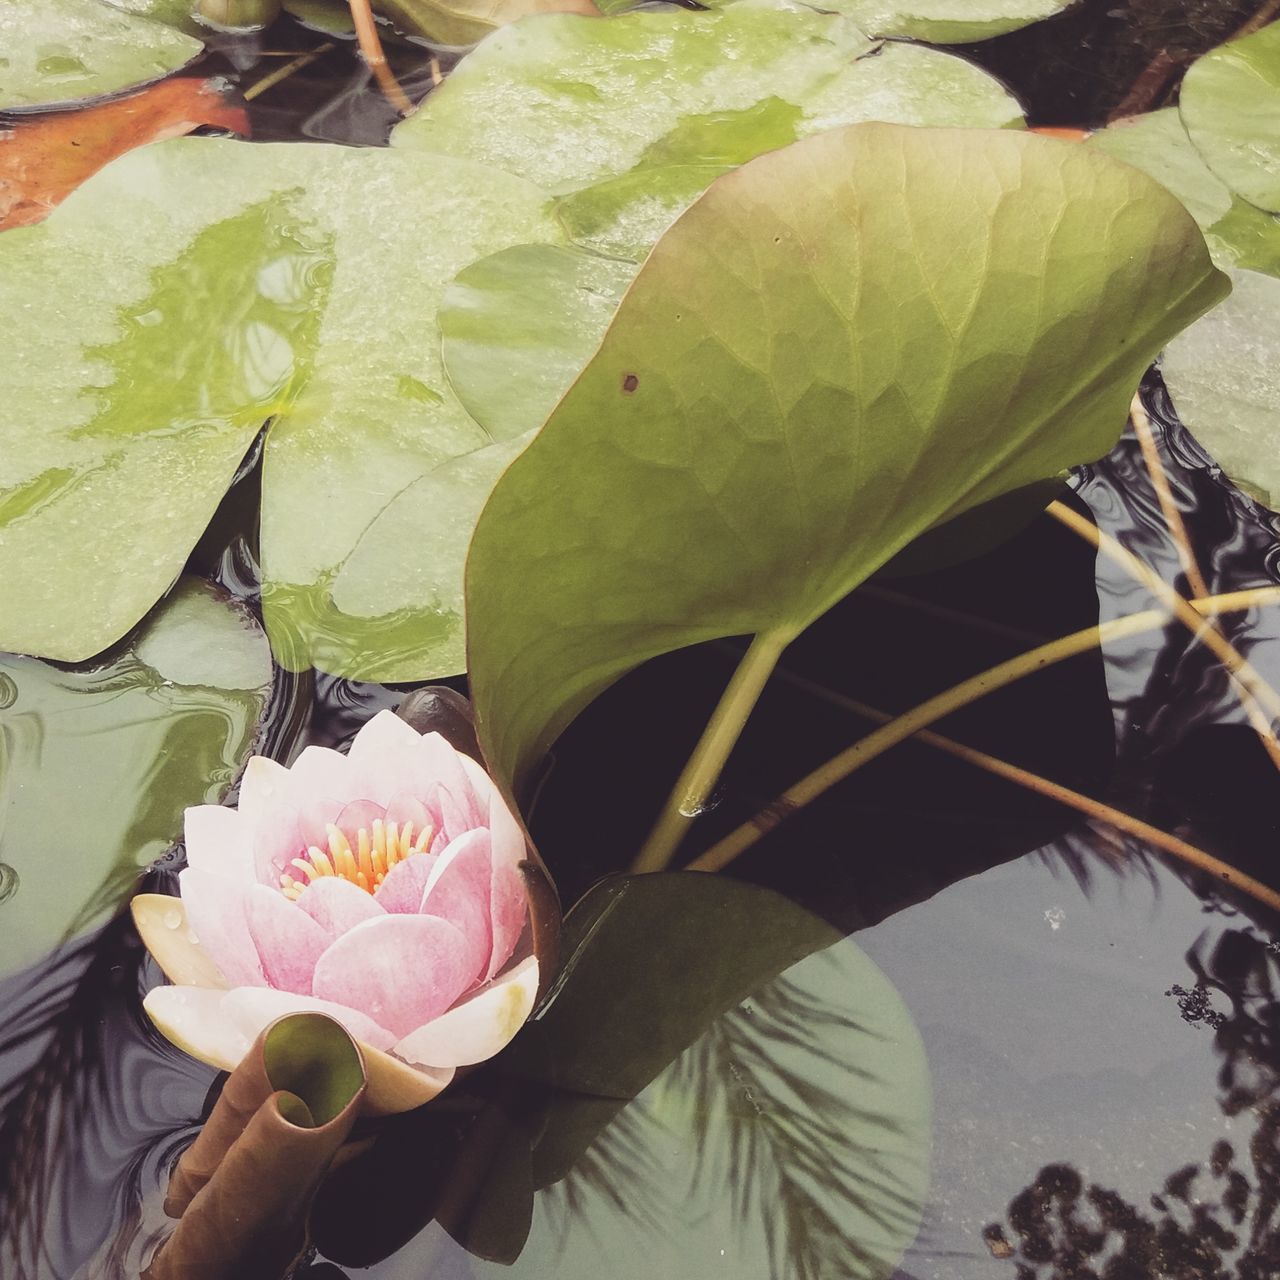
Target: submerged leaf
116, 752
64, 50
1230, 103
518, 326
44, 158
779, 407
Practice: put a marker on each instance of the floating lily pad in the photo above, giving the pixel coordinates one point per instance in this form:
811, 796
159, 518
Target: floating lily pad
1224, 376
1239, 234
97, 764
900, 84
581, 100
464, 22
1230, 103
517, 327
218, 284
56, 51
821, 408
947, 21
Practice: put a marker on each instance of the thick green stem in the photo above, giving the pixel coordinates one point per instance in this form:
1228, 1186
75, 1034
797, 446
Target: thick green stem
693, 788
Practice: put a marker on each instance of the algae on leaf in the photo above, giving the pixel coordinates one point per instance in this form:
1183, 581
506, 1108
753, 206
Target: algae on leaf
779, 407
56, 51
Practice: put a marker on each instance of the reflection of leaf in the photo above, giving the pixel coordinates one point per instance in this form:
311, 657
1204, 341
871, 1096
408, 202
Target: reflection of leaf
773, 392
61, 50
97, 765
791, 1139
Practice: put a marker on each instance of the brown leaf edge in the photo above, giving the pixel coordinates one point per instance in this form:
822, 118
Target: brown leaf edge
242, 1191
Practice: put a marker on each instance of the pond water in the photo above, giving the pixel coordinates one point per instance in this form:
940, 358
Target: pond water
1100, 1024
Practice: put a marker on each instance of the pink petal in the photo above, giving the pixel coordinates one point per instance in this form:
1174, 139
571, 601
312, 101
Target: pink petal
289, 941
277, 840
217, 841
479, 1027
321, 775
508, 905
337, 905
400, 970
389, 757
216, 913
452, 817
253, 1008
406, 808
263, 784
508, 835
357, 814
405, 884
459, 890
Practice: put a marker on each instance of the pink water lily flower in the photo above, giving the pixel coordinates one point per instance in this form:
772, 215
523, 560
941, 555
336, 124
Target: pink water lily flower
381, 887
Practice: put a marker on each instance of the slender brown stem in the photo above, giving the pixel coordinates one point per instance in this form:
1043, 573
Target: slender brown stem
1182, 609
1259, 19
943, 704
1091, 808
371, 47
1164, 493
1190, 567
284, 72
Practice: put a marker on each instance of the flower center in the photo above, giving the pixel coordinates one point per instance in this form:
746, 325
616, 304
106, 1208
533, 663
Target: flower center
377, 850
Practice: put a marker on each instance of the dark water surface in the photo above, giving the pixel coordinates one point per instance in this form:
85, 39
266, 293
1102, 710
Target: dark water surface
1101, 1024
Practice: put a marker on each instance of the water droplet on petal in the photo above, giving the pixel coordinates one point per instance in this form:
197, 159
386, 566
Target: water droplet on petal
172, 919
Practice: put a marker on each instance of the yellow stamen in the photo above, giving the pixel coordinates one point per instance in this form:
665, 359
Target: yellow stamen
363, 860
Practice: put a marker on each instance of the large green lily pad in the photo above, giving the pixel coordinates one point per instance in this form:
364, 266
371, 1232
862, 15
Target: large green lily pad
1230, 102
778, 407
97, 764
1224, 376
55, 51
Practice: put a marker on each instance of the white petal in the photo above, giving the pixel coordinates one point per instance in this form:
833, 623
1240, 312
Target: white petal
196, 1020
254, 1008
264, 782
479, 1027
202, 1023
217, 840
161, 922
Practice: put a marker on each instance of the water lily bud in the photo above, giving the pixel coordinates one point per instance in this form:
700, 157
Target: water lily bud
236, 15
384, 888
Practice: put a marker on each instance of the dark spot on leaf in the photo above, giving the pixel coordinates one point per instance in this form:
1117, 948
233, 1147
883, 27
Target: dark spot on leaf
629, 382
